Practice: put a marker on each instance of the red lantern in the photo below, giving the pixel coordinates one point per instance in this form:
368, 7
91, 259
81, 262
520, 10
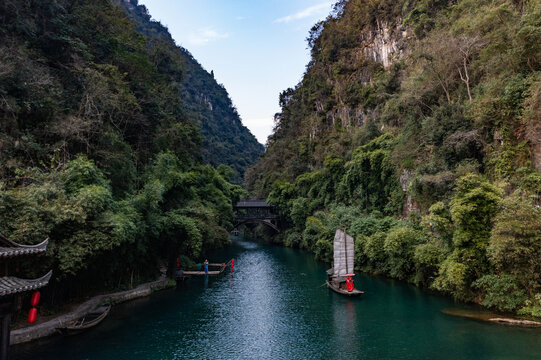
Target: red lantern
32, 315
35, 298
232, 263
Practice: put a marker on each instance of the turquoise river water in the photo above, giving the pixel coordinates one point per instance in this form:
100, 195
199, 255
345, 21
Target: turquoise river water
274, 307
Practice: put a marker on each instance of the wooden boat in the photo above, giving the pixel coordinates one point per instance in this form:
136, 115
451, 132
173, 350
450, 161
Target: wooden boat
343, 291
87, 321
221, 267
342, 271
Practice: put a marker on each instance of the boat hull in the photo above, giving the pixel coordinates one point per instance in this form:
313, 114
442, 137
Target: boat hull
86, 322
336, 289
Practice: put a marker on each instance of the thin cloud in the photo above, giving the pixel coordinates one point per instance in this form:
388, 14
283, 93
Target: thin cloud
306, 13
205, 35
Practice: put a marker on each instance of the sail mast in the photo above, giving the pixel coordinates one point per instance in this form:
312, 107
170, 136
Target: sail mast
346, 249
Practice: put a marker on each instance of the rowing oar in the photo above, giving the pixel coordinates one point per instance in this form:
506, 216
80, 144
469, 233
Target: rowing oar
322, 284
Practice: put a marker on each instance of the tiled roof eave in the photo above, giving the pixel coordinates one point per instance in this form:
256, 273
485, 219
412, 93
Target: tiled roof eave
10, 285
10, 248
12, 252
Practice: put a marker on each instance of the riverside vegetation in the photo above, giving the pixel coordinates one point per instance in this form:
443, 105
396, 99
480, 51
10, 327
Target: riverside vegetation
102, 149
417, 128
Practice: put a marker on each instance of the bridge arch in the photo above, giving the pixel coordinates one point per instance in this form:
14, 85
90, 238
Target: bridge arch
257, 221
256, 211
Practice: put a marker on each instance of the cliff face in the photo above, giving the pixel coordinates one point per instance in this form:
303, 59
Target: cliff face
385, 43
355, 62
207, 103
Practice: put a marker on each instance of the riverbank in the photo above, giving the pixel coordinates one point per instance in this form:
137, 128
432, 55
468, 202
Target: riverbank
48, 328
492, 317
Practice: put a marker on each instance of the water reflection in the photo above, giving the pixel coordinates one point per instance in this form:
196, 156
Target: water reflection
346, 337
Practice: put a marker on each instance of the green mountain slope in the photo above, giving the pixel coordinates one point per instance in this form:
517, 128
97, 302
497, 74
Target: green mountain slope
417, 127
97, 150
225, 139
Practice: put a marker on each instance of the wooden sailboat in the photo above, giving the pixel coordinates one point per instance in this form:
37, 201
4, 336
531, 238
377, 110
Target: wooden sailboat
339, 276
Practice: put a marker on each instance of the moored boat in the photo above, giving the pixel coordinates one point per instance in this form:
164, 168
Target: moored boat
339, 277
220, 269
87, 321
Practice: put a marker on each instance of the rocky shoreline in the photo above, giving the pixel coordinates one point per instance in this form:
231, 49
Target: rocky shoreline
492, 317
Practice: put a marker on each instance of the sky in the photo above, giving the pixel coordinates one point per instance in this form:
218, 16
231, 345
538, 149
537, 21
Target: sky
256, 48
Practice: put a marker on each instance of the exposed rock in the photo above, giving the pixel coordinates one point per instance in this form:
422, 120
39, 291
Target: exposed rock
405, 179
509, 321
491, 317
386, 43
350, 116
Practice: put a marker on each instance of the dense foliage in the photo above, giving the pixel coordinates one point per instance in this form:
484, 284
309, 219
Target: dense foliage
417, 128
225, 139
97, 150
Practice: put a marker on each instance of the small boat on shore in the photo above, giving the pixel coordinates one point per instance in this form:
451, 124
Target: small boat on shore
339, 277
87, 321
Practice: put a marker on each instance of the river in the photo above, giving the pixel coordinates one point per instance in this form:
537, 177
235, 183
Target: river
274, 307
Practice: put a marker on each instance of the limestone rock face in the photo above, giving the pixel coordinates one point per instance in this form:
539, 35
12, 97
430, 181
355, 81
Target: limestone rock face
405, 180
385, 44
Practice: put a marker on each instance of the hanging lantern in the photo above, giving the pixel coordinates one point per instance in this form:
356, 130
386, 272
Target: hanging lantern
35, 298
32, 315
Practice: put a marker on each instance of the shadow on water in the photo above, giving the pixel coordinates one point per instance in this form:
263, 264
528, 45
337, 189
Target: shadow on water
273, 307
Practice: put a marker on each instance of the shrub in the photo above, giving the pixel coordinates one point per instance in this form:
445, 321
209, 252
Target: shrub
453, 278
373, 249
501, 292
427, 258
515, 242
399, 248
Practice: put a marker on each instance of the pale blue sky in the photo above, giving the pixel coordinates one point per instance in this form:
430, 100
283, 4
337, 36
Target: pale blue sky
257, 48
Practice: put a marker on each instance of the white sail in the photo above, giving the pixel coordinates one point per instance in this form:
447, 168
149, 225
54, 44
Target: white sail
344, 250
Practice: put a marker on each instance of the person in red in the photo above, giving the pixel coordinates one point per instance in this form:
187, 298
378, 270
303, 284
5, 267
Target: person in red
349, 282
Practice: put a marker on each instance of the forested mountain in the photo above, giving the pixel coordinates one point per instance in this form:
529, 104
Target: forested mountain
417, 127
225, 139
100, 151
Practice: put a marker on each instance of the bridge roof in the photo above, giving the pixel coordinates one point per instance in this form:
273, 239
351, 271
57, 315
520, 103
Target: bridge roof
252, 203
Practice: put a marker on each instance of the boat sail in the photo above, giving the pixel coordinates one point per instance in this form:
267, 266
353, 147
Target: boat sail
339, 277
344, 251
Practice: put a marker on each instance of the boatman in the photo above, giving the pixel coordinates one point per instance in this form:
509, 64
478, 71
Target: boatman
206, 266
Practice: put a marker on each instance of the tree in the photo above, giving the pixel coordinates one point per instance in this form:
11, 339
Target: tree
515, 242
468, 46
399, 247
473, 207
